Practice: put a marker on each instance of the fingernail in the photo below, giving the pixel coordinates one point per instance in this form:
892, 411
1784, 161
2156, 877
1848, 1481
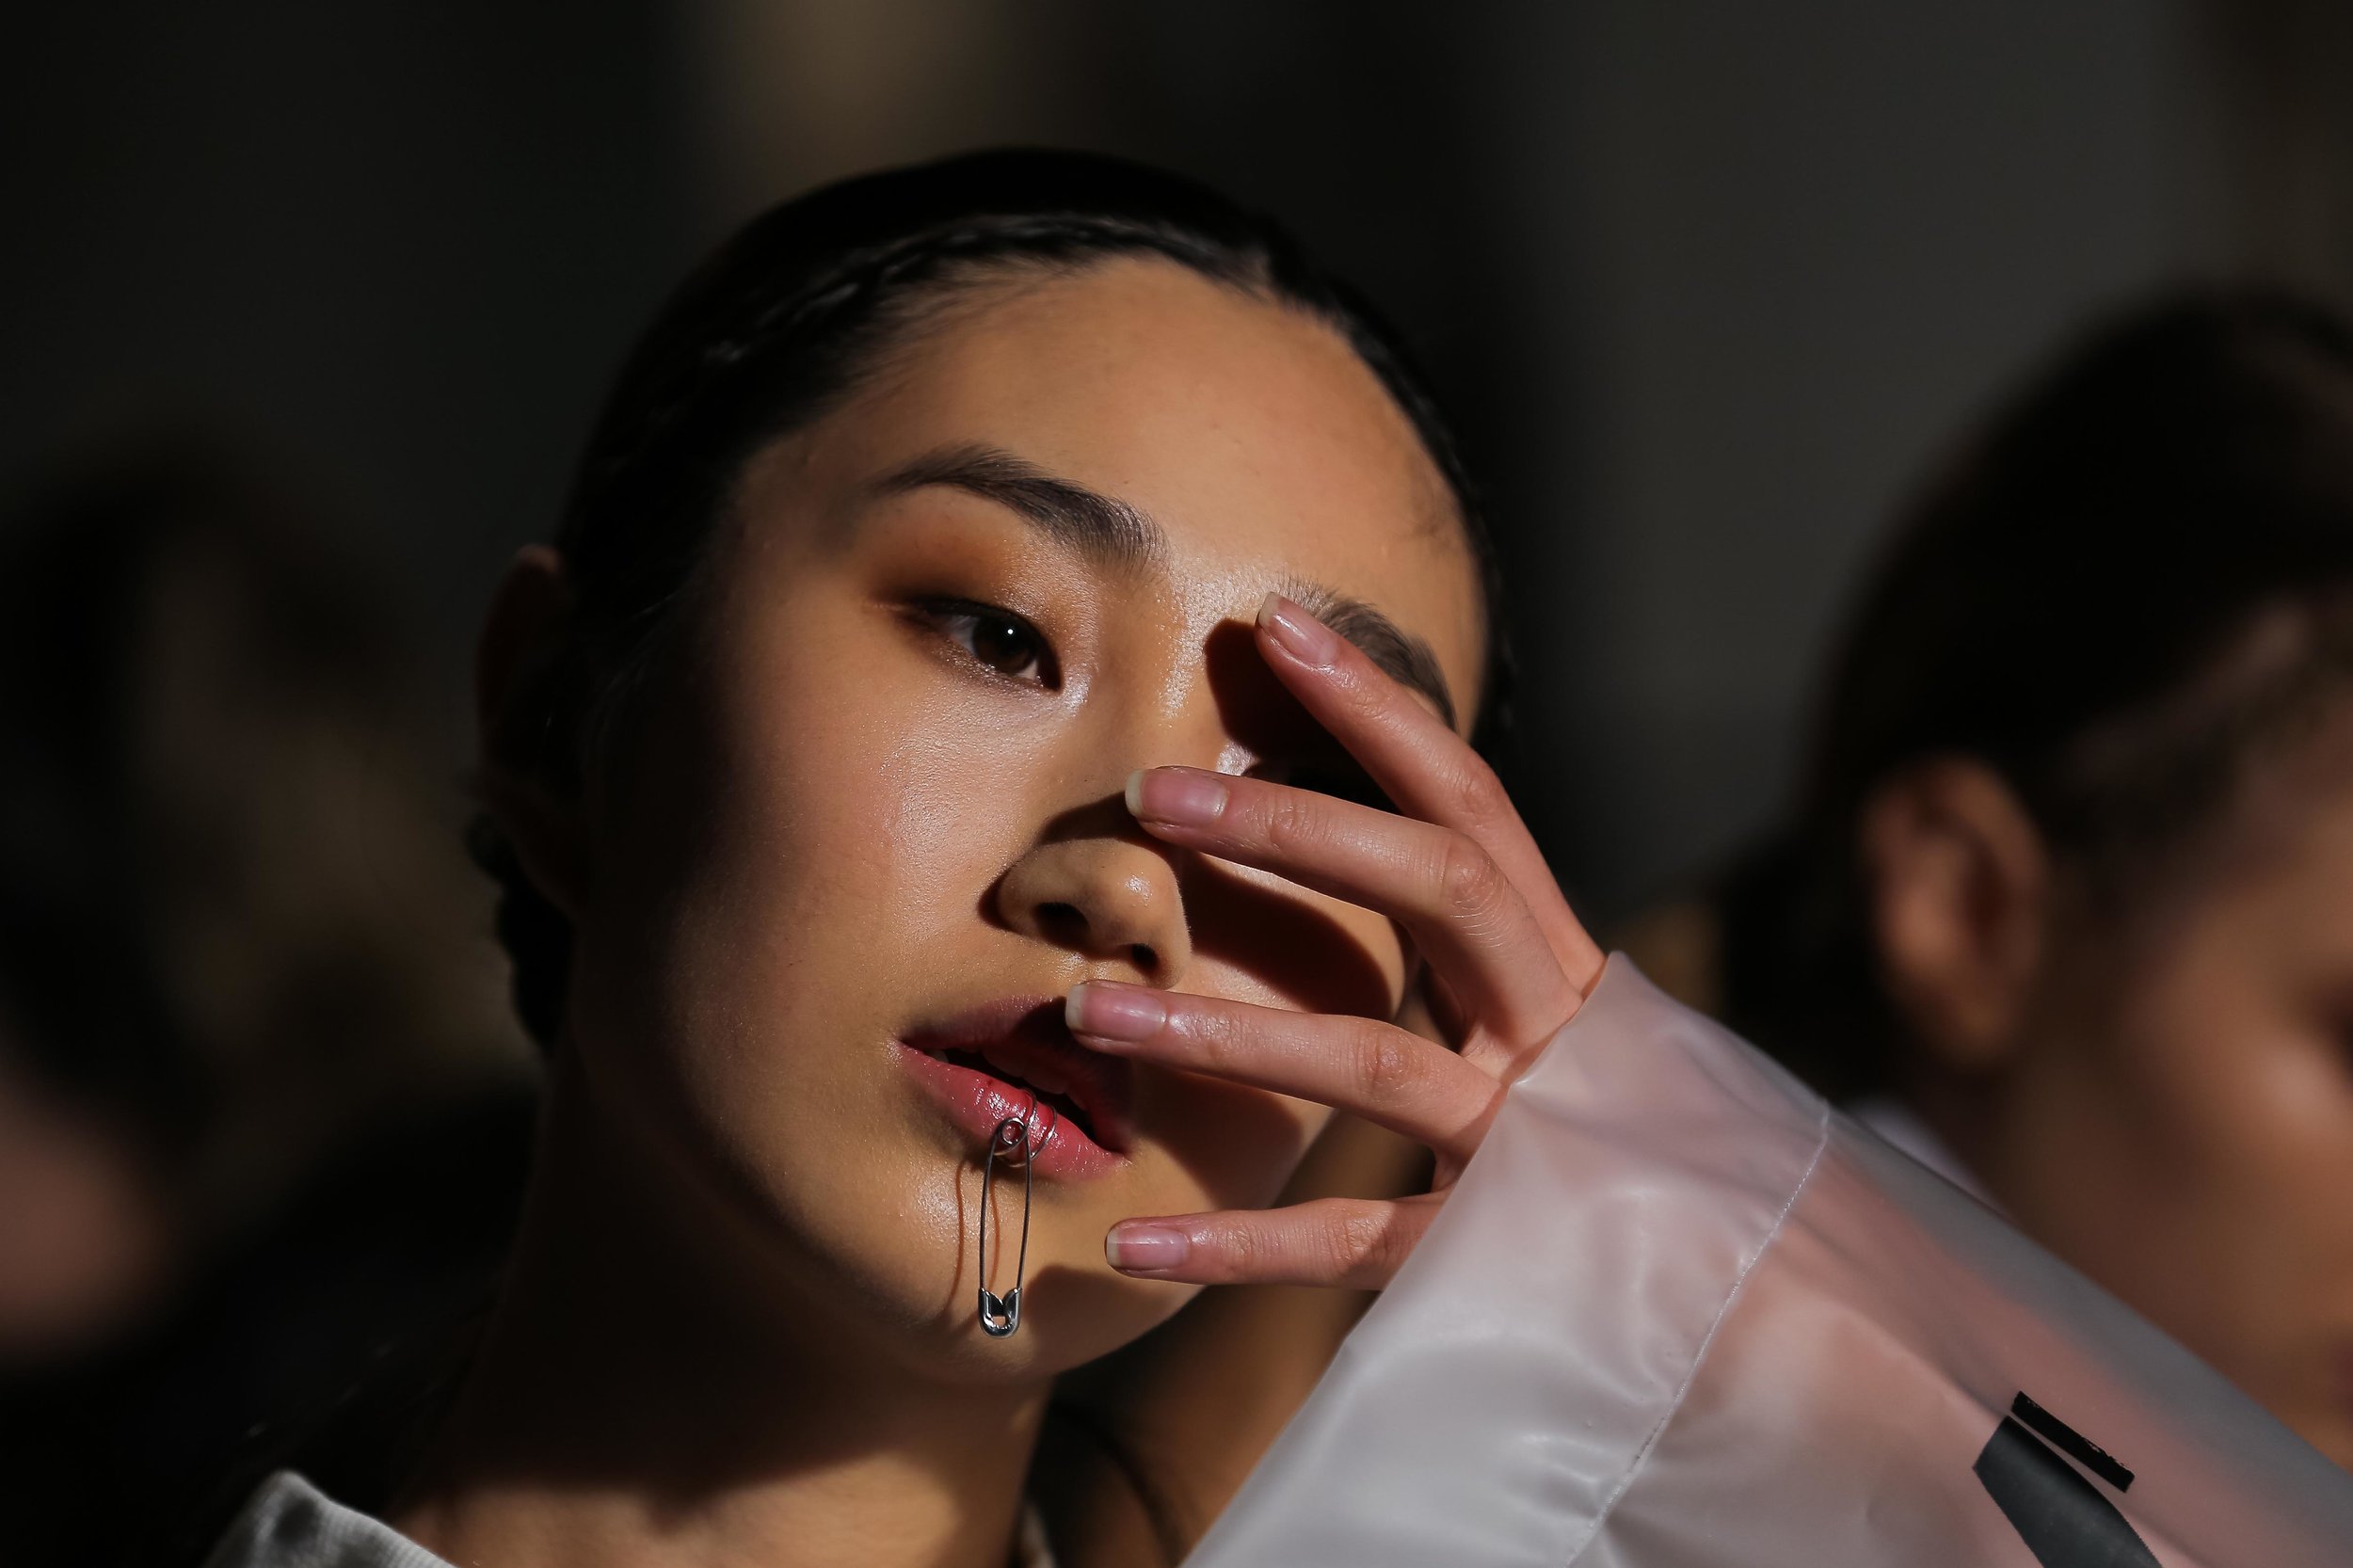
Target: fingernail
1301, 635
1115, 1012
1136, 1246
1185, 796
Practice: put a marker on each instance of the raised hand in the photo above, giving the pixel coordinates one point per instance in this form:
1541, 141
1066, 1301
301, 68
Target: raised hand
1509, 964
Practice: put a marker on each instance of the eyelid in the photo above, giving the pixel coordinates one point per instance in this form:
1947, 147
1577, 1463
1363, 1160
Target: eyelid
937, 609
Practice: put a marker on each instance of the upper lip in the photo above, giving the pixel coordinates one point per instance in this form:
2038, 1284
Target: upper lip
1025, 1041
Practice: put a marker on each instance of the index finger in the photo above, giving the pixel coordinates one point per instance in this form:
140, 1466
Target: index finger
1421, 764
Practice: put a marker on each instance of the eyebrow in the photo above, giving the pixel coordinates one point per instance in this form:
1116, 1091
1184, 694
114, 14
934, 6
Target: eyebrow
1096, 525
1394, 651
1108, 530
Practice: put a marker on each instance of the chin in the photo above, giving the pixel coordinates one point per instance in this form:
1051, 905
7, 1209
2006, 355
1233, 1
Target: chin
1074, 1309
1068, 1319
889, 1259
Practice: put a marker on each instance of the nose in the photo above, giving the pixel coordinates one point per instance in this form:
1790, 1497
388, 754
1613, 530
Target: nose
1094, 886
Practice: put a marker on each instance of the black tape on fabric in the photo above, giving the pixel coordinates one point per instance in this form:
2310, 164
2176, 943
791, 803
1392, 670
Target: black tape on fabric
2067, 1440
2063, 1519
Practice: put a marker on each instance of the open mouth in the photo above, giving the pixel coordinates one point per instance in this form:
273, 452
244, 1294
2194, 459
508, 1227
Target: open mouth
1055, 1106
1016, 1059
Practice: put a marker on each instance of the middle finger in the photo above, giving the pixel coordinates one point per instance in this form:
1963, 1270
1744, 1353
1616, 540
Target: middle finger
1466, 916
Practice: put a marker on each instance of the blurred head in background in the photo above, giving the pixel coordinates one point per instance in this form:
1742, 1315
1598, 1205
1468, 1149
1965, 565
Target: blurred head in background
227, 889
2072, 880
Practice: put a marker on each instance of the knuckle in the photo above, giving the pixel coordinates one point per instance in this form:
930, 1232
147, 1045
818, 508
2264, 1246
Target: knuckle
1366, 693
1480, 800
1359, 1241
1387, 1067
1290, 820
1219, 1039
1469, 882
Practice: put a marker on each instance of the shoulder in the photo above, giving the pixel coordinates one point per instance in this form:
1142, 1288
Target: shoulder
291, 1524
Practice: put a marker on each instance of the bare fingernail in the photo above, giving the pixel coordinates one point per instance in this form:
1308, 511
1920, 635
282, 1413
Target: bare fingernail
1113, 1013
1298, 634
1185, 796
1136, 1246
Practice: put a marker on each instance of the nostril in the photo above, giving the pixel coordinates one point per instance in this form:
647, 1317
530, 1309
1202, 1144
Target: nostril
1062, 923
1068, 925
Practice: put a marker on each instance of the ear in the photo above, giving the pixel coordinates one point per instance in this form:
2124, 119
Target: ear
1956, 880
526, 709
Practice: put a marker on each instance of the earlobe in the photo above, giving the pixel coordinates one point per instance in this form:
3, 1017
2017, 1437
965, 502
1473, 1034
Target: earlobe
1956, 880
526, 730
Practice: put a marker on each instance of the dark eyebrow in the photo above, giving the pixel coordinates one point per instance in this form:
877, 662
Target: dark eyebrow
1394, 651
1122, 535
1091, 523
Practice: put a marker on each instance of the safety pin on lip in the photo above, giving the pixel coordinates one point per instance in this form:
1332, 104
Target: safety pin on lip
1001, 1315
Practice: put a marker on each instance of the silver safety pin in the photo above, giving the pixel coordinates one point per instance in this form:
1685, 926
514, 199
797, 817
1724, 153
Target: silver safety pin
1001, 1315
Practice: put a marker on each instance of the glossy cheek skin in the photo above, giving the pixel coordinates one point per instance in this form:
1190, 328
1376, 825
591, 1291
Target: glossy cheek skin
2197, 1143
808, 851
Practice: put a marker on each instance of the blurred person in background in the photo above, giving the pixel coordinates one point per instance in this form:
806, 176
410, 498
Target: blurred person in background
2067, 910
261, 1118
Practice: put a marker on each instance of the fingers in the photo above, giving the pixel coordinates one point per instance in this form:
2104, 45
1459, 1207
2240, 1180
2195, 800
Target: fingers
1375, 1070
1352, 1242
1427, 770
1463, 912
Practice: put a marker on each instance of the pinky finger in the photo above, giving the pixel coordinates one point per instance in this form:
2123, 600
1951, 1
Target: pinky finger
1353, 1244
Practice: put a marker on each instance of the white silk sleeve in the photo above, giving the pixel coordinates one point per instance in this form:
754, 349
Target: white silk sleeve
1678, 1313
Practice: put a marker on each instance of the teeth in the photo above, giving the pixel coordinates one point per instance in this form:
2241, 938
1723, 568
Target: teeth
1051, 1087
1037, 1075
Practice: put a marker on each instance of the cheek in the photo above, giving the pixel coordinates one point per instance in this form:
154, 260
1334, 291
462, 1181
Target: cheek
793, 854
1233, 1147
822, 795
2237, 1090
1282, 948
2211, 1139
1260, 939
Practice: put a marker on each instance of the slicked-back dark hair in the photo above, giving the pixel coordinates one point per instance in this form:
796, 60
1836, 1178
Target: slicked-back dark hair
786, 319
2072, 605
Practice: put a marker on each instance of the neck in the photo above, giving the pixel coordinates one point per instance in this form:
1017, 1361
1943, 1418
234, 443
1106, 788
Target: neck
650, 1391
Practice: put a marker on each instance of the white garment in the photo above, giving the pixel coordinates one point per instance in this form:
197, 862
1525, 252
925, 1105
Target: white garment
1896, 1121
291, 1524
1678, 1313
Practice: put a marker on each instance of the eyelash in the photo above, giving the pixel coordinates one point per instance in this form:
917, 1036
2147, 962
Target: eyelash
963, 621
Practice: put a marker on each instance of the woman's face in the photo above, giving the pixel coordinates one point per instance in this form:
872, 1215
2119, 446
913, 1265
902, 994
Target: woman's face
865, 830
2183, 1124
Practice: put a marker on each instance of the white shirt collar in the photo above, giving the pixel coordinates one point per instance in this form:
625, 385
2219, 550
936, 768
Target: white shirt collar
291, 1524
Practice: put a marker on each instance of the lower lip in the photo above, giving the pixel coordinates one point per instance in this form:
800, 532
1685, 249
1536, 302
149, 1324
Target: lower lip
978, 1103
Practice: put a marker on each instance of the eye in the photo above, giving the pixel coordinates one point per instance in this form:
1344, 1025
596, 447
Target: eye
997, 639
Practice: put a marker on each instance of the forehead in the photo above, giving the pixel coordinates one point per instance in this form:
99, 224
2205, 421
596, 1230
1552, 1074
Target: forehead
1253, 435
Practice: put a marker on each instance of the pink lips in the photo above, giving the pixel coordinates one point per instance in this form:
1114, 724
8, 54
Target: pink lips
1014, 1057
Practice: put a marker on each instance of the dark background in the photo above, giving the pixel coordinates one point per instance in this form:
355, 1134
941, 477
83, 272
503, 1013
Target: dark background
1708, 285
1708, 281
